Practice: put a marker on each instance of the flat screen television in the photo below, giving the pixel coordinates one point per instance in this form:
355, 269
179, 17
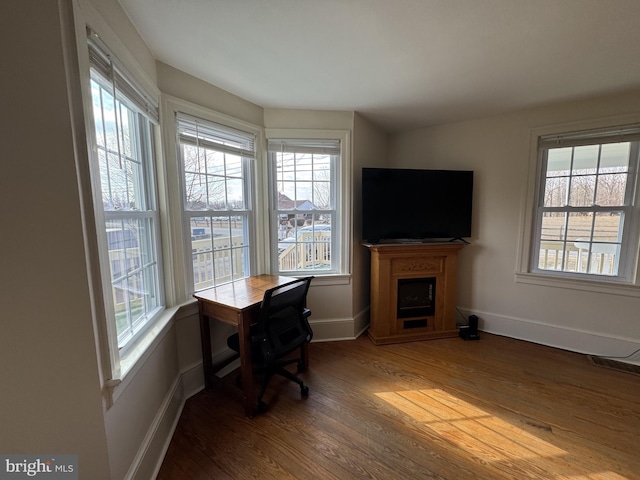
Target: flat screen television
412, 204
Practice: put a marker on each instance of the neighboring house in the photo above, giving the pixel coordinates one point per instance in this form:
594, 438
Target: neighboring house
287, 222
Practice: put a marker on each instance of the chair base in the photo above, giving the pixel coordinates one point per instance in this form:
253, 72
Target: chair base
279, 369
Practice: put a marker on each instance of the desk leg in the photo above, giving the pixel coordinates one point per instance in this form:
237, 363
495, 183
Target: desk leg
304, 356
205, 340
246, 367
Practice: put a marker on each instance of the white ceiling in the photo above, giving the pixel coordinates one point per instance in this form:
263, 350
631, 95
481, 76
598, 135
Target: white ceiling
401, 63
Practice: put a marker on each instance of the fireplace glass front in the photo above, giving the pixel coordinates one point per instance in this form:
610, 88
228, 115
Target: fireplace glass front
416, 297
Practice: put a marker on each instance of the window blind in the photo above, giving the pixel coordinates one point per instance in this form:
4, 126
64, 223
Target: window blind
102, 61
628, 133
198, 132
323, 147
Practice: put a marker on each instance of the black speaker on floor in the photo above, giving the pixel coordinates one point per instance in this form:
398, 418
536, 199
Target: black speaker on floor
470, 332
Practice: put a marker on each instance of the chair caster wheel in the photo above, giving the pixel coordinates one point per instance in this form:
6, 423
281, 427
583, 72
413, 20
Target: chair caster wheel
304, 391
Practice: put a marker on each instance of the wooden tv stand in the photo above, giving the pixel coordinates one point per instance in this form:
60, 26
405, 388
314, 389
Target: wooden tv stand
413, 291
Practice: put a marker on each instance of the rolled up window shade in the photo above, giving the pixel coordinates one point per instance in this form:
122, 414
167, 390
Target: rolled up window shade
103, 62
203, 133
626, 133
321, 147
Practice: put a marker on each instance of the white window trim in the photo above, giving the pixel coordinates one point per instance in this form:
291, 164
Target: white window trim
343, 208
180, 260
247, 212
526, 242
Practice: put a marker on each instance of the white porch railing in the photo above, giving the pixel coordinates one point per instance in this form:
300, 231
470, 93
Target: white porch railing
603, 257
311, 250
227, 261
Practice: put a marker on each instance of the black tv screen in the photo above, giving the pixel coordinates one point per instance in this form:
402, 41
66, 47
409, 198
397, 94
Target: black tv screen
399, 204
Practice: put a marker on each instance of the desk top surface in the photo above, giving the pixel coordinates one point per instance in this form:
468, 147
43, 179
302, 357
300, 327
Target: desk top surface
243, 293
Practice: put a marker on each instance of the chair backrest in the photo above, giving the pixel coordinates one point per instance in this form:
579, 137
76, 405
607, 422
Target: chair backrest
283, 325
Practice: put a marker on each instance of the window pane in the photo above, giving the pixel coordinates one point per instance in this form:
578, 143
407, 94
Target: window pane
614, 157
553, 226
235, 194
286, 195
559, 162
582, 191
195, 191
304, 167
602, 260
555, 191
219, 250
191, 160
585, 159
214, 162
611, 189
216, 193
308, 246
233, 165
134, 272
579, 226
552, 255
608, 226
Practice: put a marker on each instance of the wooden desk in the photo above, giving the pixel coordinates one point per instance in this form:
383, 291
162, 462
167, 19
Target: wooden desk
238, 304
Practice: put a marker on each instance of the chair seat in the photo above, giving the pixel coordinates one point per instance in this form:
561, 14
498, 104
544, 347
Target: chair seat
233, 341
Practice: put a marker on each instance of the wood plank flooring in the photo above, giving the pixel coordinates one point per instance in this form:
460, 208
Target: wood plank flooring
497, 408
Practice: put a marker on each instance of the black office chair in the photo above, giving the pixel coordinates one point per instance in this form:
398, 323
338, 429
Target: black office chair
282, 328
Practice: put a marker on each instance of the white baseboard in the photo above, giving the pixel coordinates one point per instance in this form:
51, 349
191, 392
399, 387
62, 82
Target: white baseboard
148, 460
146, 464
580, 341
332, 329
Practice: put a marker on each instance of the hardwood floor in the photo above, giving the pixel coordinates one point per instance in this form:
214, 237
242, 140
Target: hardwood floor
497, 408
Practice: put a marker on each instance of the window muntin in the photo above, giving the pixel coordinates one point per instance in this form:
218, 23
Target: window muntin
304, 189
586, 218
215, 162
126, 204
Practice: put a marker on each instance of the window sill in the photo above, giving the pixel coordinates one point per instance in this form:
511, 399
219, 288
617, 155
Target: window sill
319, 279
598, 286
135, 357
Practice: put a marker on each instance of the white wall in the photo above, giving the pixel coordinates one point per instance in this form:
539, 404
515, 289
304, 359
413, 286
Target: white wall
369, 150
50, 394
498, 150
52, 398
187, 87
